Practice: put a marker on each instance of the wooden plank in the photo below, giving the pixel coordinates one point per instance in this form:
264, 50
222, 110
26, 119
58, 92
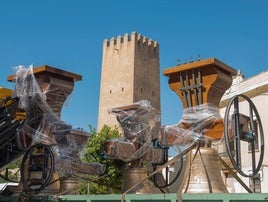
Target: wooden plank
200, 64
53, 70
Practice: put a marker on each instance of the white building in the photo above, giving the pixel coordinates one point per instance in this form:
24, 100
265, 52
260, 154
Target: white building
256, 88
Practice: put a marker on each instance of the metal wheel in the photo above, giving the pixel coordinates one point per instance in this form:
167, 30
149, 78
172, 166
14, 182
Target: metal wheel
241, 129
37, 168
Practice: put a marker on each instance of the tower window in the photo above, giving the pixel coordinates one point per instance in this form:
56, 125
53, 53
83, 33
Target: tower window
110, 91
153, 93
122, 89
141, 90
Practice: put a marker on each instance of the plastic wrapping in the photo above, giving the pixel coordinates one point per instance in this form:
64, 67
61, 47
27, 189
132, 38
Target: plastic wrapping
71, 145
139, 122
202, 122
42, 124
154, 155
119, 149
42, 98
129, 151
69, 154
66, 167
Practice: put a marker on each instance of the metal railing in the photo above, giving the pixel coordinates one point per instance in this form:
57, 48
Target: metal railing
226, 197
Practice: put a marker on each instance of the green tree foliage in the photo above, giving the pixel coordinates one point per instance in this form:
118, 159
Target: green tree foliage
111, 182
11, 173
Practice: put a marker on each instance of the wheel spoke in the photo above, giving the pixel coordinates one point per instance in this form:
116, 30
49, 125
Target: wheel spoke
240, 134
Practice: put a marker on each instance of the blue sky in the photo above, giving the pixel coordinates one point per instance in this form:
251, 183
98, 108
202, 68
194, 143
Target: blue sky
69, 34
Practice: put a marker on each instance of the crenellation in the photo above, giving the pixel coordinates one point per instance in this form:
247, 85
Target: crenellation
130, 72
137, 38
127, 37
140, 38
119, 39
155, 44
145, 41
113, 41
134, 36
106, 42
152, 43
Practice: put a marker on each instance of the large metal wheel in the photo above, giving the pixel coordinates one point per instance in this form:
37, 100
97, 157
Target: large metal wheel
241, 129
37, 168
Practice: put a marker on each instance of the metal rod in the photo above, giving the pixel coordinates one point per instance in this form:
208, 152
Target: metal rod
235, 175
237, 133
195, 88
45, 163
183, 91
200, 86
252, 141
160, 168
188, 90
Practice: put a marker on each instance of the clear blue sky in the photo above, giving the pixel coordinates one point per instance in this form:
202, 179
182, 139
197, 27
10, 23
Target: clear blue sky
68, 34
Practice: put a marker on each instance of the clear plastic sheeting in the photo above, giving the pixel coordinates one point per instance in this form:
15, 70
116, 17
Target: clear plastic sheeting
154, 155
69, 155
129, 151
70, 145
139, 122
42, 98
42, 124
65, 167
119, 149
197, 123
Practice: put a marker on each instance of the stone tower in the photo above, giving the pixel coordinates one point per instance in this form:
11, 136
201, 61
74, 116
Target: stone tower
130, 73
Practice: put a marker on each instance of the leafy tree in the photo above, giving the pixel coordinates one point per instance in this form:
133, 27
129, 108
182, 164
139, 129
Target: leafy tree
111, 182
13, 174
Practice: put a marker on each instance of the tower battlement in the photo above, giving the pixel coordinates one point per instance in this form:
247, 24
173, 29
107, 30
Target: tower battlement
133, 37
130, 73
